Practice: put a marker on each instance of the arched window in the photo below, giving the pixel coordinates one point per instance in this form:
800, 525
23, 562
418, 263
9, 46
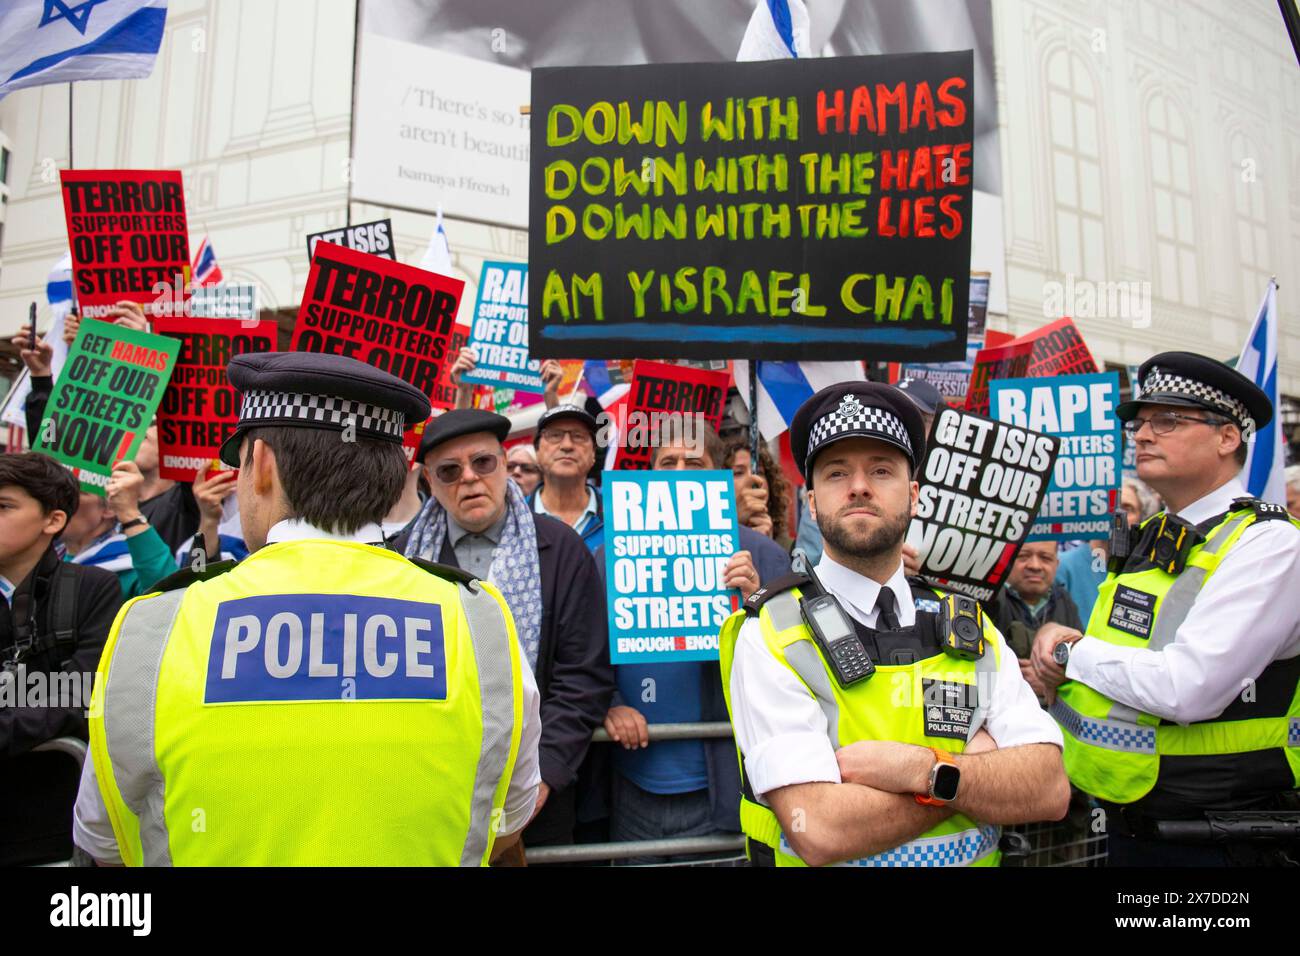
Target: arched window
1171, 197
1076, 166
1251, 220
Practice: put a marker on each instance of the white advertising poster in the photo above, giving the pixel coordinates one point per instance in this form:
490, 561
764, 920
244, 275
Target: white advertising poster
439, 129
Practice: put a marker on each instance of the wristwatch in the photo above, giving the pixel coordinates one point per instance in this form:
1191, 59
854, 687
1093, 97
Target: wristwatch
945, 777
1061, 653
137, 520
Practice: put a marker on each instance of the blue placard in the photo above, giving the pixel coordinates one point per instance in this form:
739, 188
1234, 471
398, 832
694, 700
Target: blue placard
1080, 410
499, 331
668, 537
299, 647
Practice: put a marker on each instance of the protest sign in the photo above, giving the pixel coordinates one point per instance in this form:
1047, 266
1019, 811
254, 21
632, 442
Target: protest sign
1080, 411
1059, 349
788, 209
387, 314
375, 238
224, 300
951, 379
200, 409
982, 483
999, 361
127, 232
499, 329
105, 398
661, 392
668, 537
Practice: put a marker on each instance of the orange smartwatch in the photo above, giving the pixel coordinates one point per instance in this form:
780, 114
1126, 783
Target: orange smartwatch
945, 777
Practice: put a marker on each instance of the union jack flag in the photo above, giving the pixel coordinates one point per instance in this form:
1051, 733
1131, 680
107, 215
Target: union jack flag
205, 271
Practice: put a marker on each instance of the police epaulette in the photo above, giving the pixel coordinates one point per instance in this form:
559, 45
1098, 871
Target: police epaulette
768, 591
445, 571
187, 576
1264, 510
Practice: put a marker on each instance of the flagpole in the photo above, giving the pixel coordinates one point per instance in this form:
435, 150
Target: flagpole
71, 165
352, 116
753, 416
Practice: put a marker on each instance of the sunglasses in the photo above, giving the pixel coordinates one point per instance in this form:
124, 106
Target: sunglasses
525, 468
450, 472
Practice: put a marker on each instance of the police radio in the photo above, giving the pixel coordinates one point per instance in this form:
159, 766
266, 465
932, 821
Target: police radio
833, 630
961, 627
1120, 545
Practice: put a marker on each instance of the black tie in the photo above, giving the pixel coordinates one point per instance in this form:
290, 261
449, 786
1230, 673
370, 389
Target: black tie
886, 616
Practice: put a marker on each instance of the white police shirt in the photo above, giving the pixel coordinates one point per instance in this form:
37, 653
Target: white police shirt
1245, 617
782, 731
92, 831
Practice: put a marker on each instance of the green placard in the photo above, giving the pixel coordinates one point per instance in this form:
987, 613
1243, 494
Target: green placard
105, 399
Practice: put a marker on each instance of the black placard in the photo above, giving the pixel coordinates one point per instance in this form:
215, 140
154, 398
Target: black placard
982, 484
809, 209
375, 238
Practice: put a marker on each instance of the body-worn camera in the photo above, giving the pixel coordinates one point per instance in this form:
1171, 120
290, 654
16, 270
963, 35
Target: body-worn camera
961, 627
1170, 543
1120, 545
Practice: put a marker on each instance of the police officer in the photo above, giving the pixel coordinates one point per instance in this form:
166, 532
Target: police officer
896, 766
327, 701
1181, 697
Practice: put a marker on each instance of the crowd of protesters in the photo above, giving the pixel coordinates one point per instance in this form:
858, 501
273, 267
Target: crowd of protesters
69, 559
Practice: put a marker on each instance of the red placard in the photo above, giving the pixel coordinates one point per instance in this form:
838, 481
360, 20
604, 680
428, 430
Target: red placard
1059, 349
129, 241
662, 387
389, 315
199, 410
1000, 361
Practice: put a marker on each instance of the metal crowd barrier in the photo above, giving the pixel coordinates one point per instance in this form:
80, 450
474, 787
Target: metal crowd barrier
1050, 844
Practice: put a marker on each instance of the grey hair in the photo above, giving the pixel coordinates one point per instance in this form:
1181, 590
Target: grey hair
1146, 497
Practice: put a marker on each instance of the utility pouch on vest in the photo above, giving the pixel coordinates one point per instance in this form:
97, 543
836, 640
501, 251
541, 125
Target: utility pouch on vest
961, 627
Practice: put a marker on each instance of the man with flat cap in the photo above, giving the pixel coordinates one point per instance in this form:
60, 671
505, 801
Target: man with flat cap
326, 701
871, 733
1180, 696
566, 452
478, 520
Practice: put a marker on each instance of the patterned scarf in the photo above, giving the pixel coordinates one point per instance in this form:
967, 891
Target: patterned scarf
515, 571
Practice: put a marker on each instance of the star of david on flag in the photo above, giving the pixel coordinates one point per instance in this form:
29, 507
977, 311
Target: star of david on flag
59, 41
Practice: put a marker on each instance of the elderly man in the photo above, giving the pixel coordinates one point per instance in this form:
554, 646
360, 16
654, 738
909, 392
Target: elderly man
1181, 696
1031, 599
566, 452
479, 521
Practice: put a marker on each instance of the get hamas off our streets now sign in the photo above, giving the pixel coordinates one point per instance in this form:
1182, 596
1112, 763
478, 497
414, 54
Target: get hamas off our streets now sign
105, 398
785, 209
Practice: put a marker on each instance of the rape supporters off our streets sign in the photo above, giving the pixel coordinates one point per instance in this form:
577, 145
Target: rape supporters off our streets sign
668, 537
781, 209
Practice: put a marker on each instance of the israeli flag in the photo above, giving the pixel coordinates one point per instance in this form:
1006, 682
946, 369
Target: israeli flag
784, 386
1263, 472
437, 258
778, 30
58, 41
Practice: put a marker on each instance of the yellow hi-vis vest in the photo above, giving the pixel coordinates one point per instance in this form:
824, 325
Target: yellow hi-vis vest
324, 703
891, 705
1114, 751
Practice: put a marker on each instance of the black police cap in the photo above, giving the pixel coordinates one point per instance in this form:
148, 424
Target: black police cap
312, 390
856, 410
458, 422
1196, 381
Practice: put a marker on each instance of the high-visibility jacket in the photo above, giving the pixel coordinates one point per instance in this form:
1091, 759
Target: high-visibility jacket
1118, 753
918, 703
323, 703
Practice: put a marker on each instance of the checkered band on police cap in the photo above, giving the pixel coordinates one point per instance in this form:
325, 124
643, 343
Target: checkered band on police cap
1161, 381
852, 418
295, 407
